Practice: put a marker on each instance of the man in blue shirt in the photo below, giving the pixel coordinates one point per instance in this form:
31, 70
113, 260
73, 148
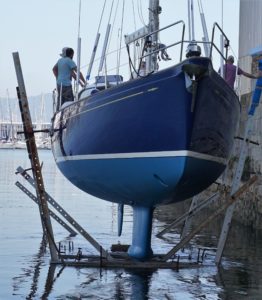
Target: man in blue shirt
64, 70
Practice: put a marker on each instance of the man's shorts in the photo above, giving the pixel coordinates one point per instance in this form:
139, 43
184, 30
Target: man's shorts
66, 95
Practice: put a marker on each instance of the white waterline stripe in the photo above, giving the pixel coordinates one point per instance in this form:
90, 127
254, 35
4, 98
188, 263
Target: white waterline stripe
144, 155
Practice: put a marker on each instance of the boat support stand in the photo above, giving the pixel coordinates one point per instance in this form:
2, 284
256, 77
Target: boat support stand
233, 194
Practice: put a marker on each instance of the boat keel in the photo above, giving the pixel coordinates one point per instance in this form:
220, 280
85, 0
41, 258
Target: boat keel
142, 229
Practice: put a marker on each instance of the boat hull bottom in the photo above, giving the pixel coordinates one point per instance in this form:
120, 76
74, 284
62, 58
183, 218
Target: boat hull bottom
146, 182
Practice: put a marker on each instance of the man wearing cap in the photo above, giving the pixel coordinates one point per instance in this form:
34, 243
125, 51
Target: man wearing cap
63, 53
64, 70
230, 71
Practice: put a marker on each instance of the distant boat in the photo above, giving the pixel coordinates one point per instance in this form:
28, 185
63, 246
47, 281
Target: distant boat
6, 144
149, 141
8, 136
41, 139
19, 145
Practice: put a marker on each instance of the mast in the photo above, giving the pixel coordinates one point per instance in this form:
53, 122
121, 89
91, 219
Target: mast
152, 41
78, 52
204, 26
192, 49
11, 132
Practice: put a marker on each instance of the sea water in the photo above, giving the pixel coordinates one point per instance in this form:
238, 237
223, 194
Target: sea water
26, 273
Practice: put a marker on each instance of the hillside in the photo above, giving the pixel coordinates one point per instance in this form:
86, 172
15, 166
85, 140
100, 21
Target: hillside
41, 109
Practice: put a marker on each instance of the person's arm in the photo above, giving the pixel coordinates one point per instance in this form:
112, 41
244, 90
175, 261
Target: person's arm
81, 78
73, 73
241, 72
250, 75
55, 70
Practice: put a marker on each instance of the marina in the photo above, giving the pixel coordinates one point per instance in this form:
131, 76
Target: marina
11, 126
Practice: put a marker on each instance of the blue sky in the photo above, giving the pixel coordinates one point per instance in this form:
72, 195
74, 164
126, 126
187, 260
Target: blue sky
38, 29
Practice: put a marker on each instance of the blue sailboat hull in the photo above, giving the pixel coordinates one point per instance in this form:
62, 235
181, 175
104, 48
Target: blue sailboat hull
142, 181
150, 141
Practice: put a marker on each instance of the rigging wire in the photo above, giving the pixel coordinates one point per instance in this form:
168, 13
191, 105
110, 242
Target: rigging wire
108, 23
105, 48
205, 38
140, 14
200, 6
109, 53
121, 33
111, 11
101, 17
222, 15
110, 37
134, 15
92, 59
138, 51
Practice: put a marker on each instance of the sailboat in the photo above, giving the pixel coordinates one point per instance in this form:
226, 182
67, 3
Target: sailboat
152, 140
9, 140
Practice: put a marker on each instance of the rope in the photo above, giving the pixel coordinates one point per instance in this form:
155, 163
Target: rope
131, 65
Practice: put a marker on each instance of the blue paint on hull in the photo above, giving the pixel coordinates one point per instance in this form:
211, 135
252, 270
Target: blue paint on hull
141, 181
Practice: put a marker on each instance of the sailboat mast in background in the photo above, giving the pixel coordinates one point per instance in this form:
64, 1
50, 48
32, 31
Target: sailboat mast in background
152, 40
